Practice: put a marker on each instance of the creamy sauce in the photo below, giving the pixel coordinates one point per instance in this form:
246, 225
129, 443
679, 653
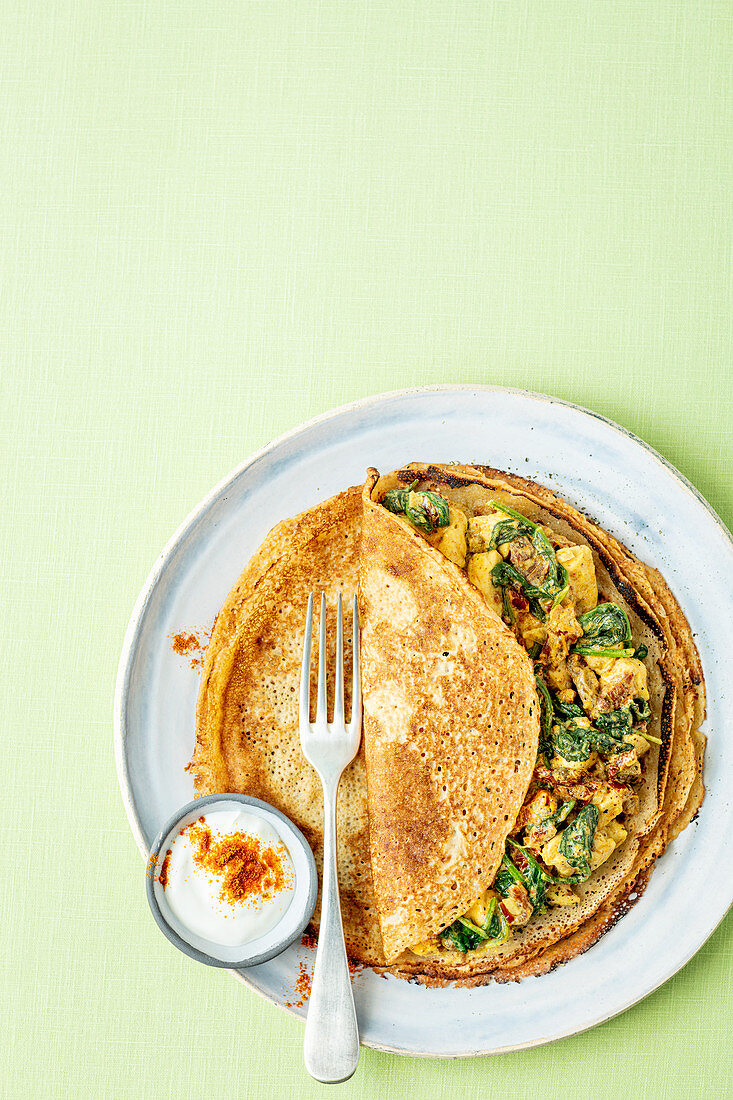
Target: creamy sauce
200, 893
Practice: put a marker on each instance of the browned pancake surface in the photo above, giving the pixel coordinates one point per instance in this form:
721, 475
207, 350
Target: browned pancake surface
247, 736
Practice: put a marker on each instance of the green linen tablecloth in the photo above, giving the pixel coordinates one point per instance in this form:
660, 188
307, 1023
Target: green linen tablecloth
219, 219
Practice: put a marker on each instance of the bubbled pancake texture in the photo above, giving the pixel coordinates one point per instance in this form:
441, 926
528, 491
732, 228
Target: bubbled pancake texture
247, 730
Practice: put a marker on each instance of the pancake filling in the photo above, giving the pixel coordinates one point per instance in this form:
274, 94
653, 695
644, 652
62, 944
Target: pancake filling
594, 703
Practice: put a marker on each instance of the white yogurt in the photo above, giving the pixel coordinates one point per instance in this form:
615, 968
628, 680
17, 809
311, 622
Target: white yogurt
194, 893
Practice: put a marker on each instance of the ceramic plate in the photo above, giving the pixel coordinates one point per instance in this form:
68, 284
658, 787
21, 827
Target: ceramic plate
632, 492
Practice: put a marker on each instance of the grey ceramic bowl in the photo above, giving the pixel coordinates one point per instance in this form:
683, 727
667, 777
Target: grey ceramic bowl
293, 921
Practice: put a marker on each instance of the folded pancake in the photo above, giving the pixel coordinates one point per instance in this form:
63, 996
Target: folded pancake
618, 772
451, 725
439, 594
247, 737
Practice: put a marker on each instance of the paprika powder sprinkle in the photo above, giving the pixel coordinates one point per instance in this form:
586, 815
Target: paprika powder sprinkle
191, 645
248, 867
163, 876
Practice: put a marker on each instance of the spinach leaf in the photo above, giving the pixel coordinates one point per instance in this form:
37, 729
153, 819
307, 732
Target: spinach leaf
426, 511
611, 729
395, 500
496, 925
460, 938
575, 743
554, 587
563, 810
508, 610
640, 652
640, 710
514, 514
507, 531
546, 716
576, 841
566, 711
615, 721
570, 741
608, 742
472, 927
507, 876
504, 575
490, 916
463, 935
619, 723
535, 878
560, 813
606, 632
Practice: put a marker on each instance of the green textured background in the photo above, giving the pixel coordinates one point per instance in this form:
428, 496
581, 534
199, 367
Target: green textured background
220, 218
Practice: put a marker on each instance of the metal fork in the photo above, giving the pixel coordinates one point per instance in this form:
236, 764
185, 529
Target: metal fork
331, 1031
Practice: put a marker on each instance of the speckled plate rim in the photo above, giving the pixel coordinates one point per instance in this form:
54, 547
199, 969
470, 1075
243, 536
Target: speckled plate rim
132, 633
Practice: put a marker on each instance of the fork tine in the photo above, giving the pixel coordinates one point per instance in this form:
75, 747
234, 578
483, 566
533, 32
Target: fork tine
305, 675
338, 691
321, 715
355, 723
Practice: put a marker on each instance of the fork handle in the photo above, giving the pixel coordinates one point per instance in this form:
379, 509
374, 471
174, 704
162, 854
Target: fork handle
331, 1032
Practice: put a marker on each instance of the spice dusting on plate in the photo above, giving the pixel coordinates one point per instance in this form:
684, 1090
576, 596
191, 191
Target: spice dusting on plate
191, 644
303, 984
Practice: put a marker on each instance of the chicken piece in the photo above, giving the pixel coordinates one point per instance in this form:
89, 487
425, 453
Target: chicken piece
481, 529
479, 911
536, 837
558, 678
599, 664
581, 791
578, 560
603, 848
553, 857
533, 632
624, 681
516, 906
605, 843
562, 895
562, 630
586, 683
451, 540
610, 803
479, 574
524, 557
616, 831
624, 767
554, 537
639, 743
542, 805
536, 818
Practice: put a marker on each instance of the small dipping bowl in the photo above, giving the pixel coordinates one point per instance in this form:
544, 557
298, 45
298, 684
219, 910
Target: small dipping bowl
291, 924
